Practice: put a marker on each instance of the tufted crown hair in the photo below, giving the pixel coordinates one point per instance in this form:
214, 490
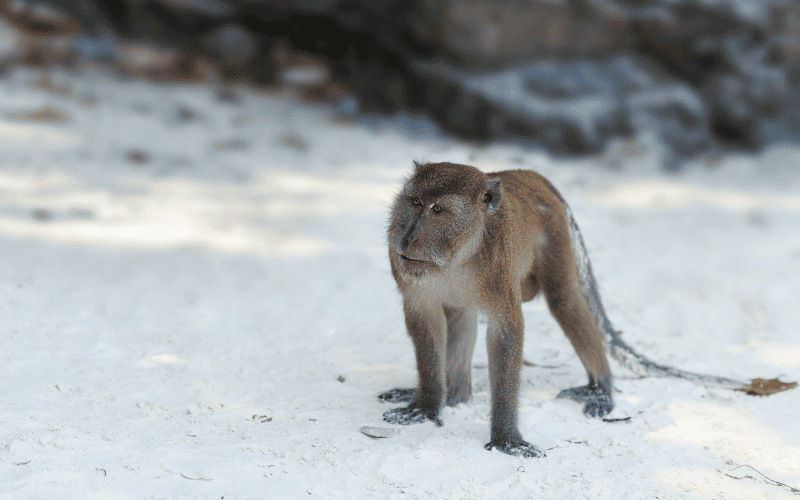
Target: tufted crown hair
434, 180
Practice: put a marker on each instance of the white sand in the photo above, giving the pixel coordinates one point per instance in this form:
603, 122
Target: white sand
176, 329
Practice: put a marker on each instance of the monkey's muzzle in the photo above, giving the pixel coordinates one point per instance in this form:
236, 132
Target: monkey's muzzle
416, 266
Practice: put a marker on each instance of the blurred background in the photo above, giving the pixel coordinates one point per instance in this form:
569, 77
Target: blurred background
241, 125
193, 206
565, 76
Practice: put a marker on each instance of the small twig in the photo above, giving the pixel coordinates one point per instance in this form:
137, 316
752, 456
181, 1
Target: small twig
104, 471
793, 490
195, 478
612, 420
528, 363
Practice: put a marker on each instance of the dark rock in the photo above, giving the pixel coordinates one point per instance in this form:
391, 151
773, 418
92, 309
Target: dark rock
228, 95
137, 156
293, 141
185, 114
699, 75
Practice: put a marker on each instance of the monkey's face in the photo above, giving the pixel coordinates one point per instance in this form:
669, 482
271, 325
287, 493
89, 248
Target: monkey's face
438, 219
432, 233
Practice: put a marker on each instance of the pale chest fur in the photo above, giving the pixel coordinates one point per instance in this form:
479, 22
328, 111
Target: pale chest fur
454, 288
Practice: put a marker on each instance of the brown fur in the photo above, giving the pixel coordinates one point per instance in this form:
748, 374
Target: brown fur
460, 242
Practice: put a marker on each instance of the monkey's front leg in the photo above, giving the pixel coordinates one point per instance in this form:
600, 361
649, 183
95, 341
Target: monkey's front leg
427, 331
462, 328
504, 339
398, 395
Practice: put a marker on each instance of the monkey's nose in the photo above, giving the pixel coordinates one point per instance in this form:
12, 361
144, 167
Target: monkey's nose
408, 239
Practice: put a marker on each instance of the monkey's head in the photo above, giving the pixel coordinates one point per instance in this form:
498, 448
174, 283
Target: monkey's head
439, 217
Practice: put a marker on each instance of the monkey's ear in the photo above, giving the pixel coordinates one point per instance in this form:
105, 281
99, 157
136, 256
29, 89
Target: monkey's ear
492, 194
418, 165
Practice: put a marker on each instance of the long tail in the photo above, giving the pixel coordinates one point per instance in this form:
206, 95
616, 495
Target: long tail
619, 350
642, 366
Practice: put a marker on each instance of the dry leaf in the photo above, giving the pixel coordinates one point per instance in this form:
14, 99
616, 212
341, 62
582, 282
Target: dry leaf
762, 387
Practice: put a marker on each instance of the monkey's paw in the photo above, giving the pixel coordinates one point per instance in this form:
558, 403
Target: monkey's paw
598, 400
412, 415
398, 396
518, 448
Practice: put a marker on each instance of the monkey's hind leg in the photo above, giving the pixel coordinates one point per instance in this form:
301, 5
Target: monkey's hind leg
579, 327
563, 290
597, 398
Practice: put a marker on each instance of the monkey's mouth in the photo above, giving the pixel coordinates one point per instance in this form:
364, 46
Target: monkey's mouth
417, 261
416, 267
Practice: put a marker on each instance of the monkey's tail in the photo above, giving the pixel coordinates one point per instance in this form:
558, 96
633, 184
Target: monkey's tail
642, 366
619, 350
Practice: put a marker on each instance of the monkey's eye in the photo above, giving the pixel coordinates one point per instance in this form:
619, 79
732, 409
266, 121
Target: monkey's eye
437, 209
416, 202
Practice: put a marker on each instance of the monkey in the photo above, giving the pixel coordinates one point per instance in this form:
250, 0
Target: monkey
462, 242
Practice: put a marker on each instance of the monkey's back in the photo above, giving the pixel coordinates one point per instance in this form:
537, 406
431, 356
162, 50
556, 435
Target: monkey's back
534, 213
